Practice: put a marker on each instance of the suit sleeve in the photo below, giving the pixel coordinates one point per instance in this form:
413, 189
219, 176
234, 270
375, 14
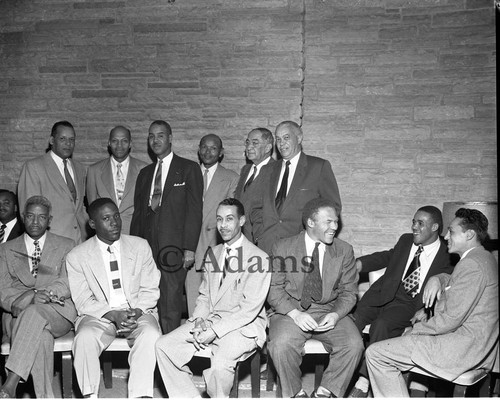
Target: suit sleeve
29, 184
194, 208
91, 189
8, 291
328, 188
232, 188
348, 286
278, 298
376, 261
149, 291
202, 307
139, 195
60, 286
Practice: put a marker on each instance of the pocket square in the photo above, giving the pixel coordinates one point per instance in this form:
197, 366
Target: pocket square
180, 184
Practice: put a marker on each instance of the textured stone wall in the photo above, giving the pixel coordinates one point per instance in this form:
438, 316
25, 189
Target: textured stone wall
399, 95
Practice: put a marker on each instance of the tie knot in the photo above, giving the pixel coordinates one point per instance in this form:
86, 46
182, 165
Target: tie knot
420, 249
118, 165
3, 226
316, 245
110, 249
35, 243
206, 171
288, 163
65, 161
228, 250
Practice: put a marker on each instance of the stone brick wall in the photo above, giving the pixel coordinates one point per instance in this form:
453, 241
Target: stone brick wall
399, 95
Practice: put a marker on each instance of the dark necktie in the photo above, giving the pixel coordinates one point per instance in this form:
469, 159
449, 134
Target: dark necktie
226, 266
2, 232
250, 180
313, 290
280, 197
69, 180
411, 280
156, 197
35, 259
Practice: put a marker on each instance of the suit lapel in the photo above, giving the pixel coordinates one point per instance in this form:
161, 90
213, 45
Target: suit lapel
215, 276
298, 177
48, 259
126, 260
331, 271
20, 263
299, 275
79, 177
56, 176
96, 265
131, 176
235, 272
213, 192
273, 187
173, 172
241, 184
107, 180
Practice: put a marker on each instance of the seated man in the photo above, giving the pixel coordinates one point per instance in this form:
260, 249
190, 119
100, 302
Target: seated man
114, 284
313, 287
229, 314
34, 290
390, 303
463, 333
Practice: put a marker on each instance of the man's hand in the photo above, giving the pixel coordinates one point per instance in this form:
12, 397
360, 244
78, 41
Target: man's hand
303, 320
127, 326
23, 301
432, 291
328, 322
358, 265
188, 259
420, 316
206, 337
121, 320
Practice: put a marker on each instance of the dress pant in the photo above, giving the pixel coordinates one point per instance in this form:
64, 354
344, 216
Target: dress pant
94, 335
286, 346
32, 345
193, 282
173, 353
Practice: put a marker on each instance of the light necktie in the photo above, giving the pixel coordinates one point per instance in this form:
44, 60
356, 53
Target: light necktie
2, 232
35, 259
250, 180
120, 183
205, 181
411, 280
69, 180
157, 189
313, 285
280, 197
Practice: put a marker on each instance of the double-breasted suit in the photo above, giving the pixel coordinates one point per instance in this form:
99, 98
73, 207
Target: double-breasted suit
313, 178
221, 187
41, 177
339, 290
90, 290
100, 183
233, 309
34, 329
173, 228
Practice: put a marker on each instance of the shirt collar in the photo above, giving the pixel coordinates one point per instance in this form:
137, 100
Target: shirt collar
124, 163
431, 247
104, 246
235, 245
295, 159
311, 244
58, 160
211, 170
167, 159
467, 252
30, 240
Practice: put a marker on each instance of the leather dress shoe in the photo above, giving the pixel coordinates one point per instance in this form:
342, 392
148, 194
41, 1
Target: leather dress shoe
357, 393
301, 394
317, 395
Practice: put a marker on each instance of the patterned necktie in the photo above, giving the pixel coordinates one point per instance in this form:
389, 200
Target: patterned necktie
120, 183
280, 197
156, 197
411, 280
69, 180
313, 290
250, 180
2, 232
118, 298
35, 259
205, 181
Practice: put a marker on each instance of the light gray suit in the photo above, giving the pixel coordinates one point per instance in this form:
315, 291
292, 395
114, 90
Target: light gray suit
100, 183
222, 186
462, 335
89, 288
34, 329
41, 176
236, 312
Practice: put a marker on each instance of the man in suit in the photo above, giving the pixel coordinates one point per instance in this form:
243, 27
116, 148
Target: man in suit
313, 288
219, 183
10, 226
114, 284
463, 333
34, 290
168, 205
115, 176
288, 185
61, 180
390, 302
229, 315
258, 149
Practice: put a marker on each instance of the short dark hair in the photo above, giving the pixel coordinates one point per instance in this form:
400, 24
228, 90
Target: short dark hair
38, 201
436, 216
67, 124
312, 207
165, 124
97, 204
231, 201
266, 135
10, 193
475, 220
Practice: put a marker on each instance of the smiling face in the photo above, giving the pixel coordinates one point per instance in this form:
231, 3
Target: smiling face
63, 142
229, 223
107, 223
36, 220
323, 226
160, 140
457, 238
210, 150
288, 142
8, 207
425, 230
119, 143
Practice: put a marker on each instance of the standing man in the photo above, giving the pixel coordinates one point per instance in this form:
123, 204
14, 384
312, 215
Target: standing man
10, 226
168, 206
61, 180
258, 149
313, 288
229, 315
463, 333
34, 290
114, 283
219, 183
288, 185
115, 176
391, 301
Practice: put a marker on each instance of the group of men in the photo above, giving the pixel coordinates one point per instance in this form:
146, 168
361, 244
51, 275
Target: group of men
231, 242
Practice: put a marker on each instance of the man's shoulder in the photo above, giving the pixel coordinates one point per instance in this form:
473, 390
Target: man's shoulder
38, 161
133, 242
98, 166
289, 244
342, 245
227, 173
60, 240
184, 161
137, 162
313, 160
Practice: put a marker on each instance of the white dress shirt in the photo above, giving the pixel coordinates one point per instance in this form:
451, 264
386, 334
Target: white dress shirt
291, 172
165, 167
426, 258
60, 165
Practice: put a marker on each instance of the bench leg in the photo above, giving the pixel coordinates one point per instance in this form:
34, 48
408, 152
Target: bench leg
255, 374
234, 390
67, 374
107, 370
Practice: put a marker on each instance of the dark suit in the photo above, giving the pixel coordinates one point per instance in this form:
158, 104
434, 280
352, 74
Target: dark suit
313, 178
385, 305
35, 328
286, 339
174, 228
17, 230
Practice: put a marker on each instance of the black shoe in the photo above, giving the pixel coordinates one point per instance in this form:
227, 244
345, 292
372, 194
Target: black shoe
317, 395
357, 393
418, 393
